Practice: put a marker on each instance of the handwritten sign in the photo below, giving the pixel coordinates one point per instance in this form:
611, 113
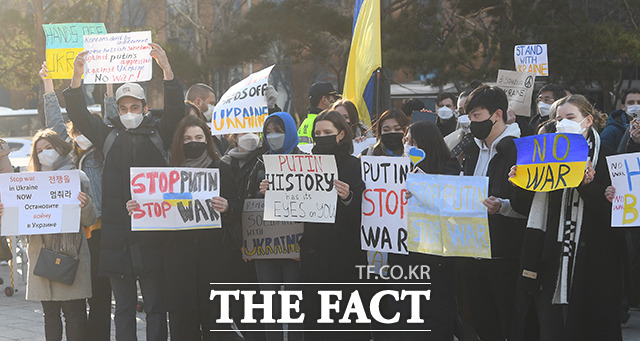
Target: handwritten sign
532, 58
243, 108
384, 215
117, 58
174, 198
624, 171
63, 43
301, 188
40, 202
549, 162
519, 88
268, 239
447, 217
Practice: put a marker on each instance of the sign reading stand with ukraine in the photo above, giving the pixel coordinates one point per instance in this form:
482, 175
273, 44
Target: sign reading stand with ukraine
549, 162
174, 198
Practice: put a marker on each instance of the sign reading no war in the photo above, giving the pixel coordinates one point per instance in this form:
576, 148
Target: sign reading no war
624, 171
549, 162
117, 58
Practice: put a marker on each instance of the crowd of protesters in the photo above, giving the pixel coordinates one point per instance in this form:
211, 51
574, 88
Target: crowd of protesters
533, 287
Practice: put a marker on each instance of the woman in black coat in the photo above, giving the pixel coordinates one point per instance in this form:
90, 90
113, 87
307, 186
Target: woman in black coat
195, 258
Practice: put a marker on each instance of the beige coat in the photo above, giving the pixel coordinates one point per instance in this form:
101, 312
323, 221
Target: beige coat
42, 289
5, 163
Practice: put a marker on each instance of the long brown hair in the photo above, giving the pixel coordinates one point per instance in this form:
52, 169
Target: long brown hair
63, 148
177, 148
586, 109
341, 125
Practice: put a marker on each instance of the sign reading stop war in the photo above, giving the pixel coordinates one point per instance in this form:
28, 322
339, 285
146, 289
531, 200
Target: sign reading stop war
384, 215
268, 239
40, 202
447, 217
117, 58
301, 188
519, 88
532, 58
624, 171
243, 108
549, 162
63, 43
174, 198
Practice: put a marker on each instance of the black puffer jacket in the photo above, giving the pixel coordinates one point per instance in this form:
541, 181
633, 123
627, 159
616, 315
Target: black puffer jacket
123, 253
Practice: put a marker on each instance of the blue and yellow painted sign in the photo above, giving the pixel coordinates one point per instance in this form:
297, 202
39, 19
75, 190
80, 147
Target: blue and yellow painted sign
63, 43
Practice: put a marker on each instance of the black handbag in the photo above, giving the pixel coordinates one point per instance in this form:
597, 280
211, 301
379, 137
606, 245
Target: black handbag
56, 266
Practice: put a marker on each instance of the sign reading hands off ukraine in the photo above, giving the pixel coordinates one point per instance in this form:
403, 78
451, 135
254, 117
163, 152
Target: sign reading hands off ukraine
549, 162
447, 217
624, 171
63, 43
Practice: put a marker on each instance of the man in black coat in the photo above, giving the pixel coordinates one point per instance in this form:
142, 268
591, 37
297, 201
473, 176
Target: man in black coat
139, 139
491, 283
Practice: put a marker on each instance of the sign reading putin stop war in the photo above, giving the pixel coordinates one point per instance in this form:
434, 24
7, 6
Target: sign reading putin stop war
301, 188
243, 108
174, 198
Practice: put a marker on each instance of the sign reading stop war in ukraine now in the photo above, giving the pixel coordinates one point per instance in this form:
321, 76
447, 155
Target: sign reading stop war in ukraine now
624, 171
268, 239
532, 58
174, 198
549, 162
40, 202
384, 215
519, 88
117, 58
63, 43
301, 188
447, 217
243, 108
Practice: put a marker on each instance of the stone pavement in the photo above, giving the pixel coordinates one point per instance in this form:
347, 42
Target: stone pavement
22, 320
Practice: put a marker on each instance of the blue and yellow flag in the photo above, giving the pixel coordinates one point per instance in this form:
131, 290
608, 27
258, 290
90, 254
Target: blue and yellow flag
365, 57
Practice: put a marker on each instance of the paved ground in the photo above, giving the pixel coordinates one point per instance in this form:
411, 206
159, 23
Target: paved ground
22, 320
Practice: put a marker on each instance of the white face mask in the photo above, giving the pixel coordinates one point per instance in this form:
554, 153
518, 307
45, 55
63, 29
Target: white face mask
276, 141
249, 142
131, 120
48, 157
209, 113
544, 109
445, 113
465, 123
570, 127
633, 110
83, 142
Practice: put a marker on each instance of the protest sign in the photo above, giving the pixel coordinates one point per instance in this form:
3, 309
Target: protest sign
243, 108
549, 162
379, 261
40, 202
519, 88
268, 239
301, 188
63, 43
384, 215
447, 217
624, 171
117, 58
532, 58
174, 198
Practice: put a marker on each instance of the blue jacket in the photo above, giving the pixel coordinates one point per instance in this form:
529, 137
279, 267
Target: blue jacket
617, 124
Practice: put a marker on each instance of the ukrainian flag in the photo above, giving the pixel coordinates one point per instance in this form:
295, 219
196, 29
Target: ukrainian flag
365, 57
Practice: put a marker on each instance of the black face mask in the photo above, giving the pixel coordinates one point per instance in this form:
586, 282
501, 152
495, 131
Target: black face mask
482, 129
327, 145
194, 149
392, 141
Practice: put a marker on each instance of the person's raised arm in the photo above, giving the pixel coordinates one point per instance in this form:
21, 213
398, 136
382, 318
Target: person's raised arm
52, 111
174, 108
90, 126
110, 106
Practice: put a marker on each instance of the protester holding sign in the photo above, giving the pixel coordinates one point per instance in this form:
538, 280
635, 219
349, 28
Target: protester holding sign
390, 130
349, 111
330, 252
491, 282
137, 139
49, 152
90, 161
572, 259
